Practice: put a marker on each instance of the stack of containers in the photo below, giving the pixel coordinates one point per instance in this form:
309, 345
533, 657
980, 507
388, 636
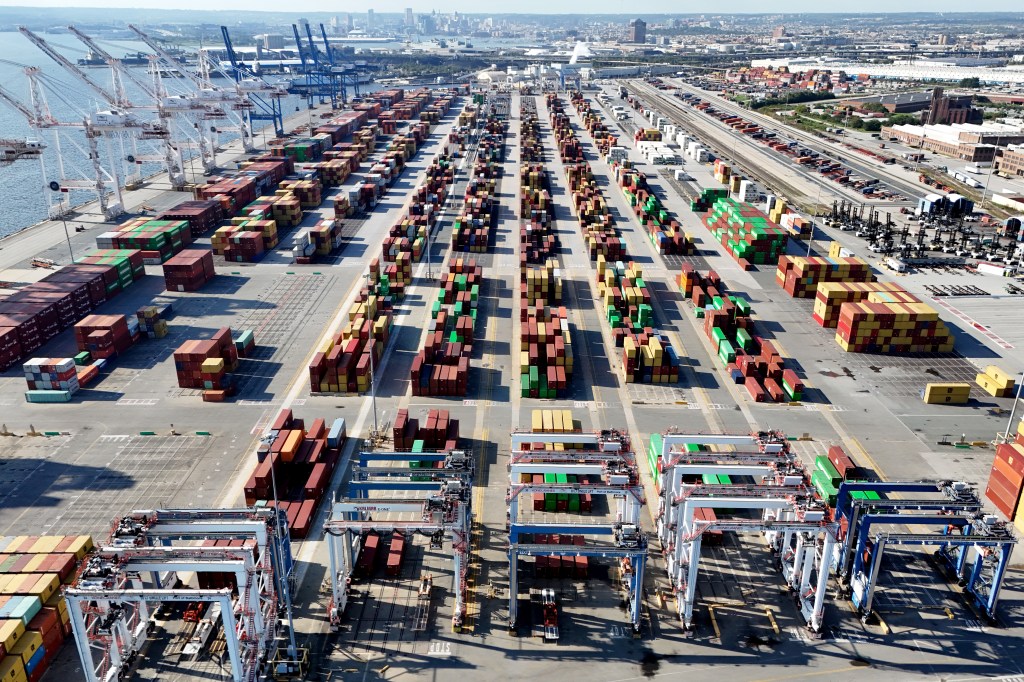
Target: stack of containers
104, 336
439, 432
663, 230
34, 618
996, 382
245, 344
747, 234
472, 229
38, 312
297, 463
202, 216
799, 276
157, 239
309, 192
232, 193
946, 393
152, 321
128, 263
594, 123
892, 322
830, 297
1006, 482
343, 364
267, 229
205, 365
326, 236
545, 352
750, 359
190, 270
722, 172
50, 379
706, 199
442, 366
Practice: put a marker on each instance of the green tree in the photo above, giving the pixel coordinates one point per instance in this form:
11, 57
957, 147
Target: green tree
903, 119
872, 125
857, 123
874, 107
970, 83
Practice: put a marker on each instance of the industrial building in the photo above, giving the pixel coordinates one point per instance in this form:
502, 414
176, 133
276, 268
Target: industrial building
964, 141
1010, 161
936, 106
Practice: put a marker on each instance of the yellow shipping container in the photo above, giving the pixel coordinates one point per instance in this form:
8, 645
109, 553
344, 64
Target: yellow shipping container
26, 646
10, 632
1001, 378
537, 421
12, 670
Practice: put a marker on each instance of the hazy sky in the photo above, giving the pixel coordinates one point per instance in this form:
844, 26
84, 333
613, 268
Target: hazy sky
545, 6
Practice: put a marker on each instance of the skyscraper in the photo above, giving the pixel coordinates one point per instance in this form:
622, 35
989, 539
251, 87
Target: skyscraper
638, 31
369, 19
409, 21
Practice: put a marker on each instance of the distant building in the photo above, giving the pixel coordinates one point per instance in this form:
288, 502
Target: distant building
936, 107
779, 32
270, 41
369, 19
964, 141
409, 20
638, 31
1010, 161
349, 25
945, 39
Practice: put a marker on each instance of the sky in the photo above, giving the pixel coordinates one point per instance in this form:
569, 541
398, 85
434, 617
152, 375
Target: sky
545, 6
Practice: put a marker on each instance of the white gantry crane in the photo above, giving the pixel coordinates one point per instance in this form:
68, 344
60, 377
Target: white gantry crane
120, 122
70, 175
234, 102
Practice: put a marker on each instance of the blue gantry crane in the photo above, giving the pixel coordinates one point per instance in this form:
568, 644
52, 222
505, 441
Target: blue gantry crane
266, 98
964, 531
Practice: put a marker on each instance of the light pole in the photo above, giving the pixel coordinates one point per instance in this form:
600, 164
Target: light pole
1013, 410
984, 193
67, 236
373, 380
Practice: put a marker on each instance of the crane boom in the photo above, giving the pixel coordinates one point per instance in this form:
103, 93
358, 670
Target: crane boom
71, 68
327, 46
20, 107
165, 55
118, 68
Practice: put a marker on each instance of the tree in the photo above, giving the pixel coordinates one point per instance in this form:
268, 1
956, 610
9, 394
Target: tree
857, 123
874, 107
970, 83
903, 119
872, 125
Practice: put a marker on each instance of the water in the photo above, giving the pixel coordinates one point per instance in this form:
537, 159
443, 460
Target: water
23, 203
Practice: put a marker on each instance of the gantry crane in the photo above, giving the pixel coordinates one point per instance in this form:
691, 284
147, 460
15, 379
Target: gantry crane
445, 513
171, 158
142, 565
235, 101
15, 150
265, 97
119, 122
40, 119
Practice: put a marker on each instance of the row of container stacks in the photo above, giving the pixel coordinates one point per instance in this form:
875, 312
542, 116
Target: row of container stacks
475, 223
593, 122
294, 466
749, 359
545, 350
648, 356
34, 618
438, 433
408, 237
799, 276
558, 566
441, 367
869, 317
749, 236
595, 219
245, 240
703, 202
206, 365
662, 228
560, 502
370, 552
34, 314
157, 240
345, 363
190, 270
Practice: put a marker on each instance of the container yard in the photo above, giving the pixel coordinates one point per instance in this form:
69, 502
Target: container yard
459, 376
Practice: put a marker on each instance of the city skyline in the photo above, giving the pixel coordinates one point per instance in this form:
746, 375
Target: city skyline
538, 7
